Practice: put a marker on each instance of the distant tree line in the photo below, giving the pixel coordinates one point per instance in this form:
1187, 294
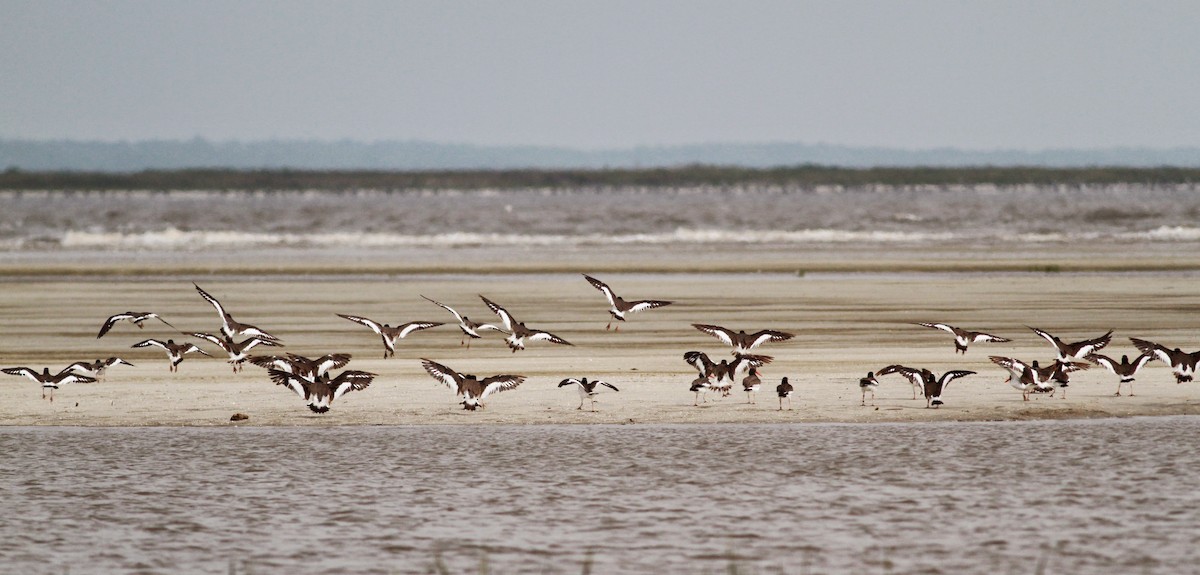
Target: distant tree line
694, 175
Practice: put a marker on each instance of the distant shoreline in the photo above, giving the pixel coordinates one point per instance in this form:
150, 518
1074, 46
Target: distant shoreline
803, 176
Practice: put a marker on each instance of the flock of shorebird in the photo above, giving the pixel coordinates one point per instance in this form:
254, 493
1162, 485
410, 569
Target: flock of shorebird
312, 380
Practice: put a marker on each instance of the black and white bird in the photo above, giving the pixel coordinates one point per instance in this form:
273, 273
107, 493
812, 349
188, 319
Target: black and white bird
470, 388
723, 374
868, 383
231, 327
741, 341
1125, 370
784, 391
175, 351
934, 386
320, 391
913, 376
963, 338
588, 390
751, 384
1183, 364
618, 307
96, 368
518, 332
1068, 352
1033, 378
700, 387
469, 328
49, 380
134, 317
300, 365
238, 351
390, 334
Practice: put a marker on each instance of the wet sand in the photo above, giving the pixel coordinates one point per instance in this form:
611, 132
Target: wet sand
846, 324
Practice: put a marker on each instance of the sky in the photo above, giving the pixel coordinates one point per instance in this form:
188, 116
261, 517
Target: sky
913, 74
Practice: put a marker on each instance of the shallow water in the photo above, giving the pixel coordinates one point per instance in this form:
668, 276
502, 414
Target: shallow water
1105, 496
746, 215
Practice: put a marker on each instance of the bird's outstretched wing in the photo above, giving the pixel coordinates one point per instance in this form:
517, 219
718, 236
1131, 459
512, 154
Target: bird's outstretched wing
296, 383
701, 362
716, 331
457, 316
603, 287
25, 371
506, 317
941, 326
498, 383
643, 305
447, 376
212, 300
911, 374
350, 380
1014, 366
761, 337
150, 342
417, 325
112, 320
953, 375
1161, 353
374, 325
330, 361
539, 335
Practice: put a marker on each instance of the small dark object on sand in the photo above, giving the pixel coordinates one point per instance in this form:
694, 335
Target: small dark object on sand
239, 417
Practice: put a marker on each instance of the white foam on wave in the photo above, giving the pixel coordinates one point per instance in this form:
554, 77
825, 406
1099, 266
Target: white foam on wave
1166, 234
178, 239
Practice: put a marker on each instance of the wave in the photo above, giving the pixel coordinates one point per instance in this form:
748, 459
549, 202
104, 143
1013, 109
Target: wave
172, 239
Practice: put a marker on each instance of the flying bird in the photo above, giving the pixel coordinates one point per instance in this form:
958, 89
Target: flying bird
588, 390
1125, 370
1078, 350
963, 337
300, 365
134, 317
48, 380
1183, 364
469, 328
96, 368
741, 341
238, 351
390, 334
175, 351
471, 389
229, 326
518, 332
618, 307
321, 391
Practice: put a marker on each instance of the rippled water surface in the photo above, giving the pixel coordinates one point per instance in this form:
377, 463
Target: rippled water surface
1113, 496
631, 216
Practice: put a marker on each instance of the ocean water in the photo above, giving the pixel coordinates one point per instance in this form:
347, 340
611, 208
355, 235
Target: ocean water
966, 215
1101, 496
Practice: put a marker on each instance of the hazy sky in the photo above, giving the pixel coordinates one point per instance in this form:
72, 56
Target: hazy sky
594, 74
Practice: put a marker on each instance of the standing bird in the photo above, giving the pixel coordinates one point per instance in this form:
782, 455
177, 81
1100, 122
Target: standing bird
472, 389
229, 326
1182, 363
722, 375
741, 341
618, 306
134, 317
751, 384
96, 368
1078, 350
518, 332
175, 351
300, 365
784, 390
1125, 369
48, 380
912, 375
932, 385
700, 387
320, 391
868, 383
238, 351
469, 328
391, 334
963, 337
587, 389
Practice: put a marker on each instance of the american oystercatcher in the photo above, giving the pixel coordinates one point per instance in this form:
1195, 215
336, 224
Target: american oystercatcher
1078, 350
96, 368
48, 380
470, 388
1182, 363
134, 317
784, 391
962, 337
587, 389
175, 351
238, 351
469, 328
1125, 370
518, 332
322, 390
618, 307
741, 341
391, 334
229, 326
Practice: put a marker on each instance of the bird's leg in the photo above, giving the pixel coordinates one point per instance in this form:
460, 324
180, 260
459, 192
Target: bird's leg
864, 398
618, 328
608, 326
781, 404
1131, 389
